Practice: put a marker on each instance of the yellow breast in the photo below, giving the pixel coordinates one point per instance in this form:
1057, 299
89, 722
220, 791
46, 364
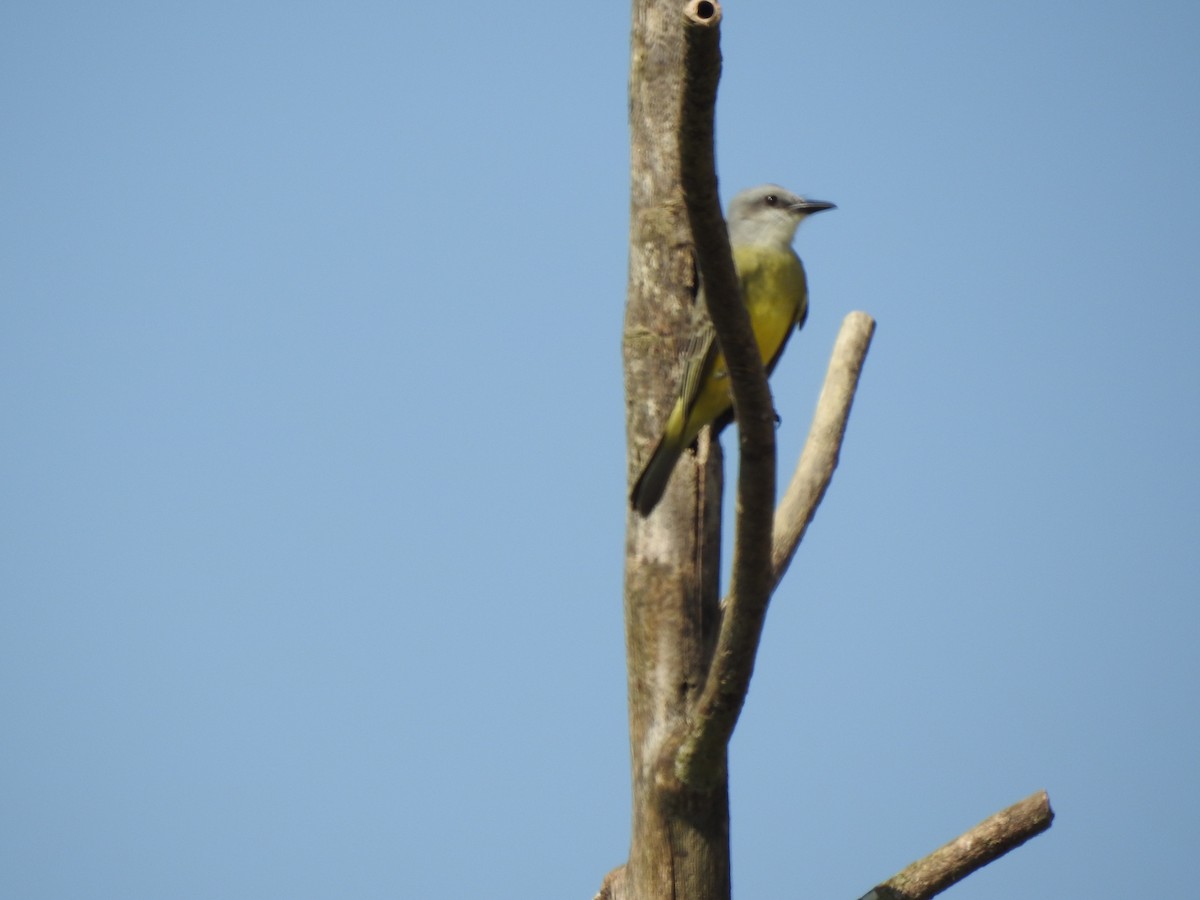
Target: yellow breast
775, 293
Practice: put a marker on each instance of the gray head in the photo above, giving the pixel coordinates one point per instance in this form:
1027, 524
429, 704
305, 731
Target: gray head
769, 214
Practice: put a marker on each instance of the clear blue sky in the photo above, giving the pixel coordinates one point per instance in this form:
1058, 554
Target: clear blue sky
313, 492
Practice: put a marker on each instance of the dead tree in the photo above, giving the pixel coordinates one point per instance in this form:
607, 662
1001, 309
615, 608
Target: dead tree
690, 652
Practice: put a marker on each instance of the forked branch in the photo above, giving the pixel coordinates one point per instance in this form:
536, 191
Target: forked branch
728, 680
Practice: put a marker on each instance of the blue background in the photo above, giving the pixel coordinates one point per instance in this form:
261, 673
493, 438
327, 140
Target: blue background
311, 427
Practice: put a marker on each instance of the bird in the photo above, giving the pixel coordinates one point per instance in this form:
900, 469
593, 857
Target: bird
762, 224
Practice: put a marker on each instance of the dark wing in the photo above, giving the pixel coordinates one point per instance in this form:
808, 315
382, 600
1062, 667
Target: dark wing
697, 357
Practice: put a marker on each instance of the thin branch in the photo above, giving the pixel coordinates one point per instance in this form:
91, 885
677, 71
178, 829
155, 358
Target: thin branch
987, 841
752, 405
698, 177
700, 760
824, 444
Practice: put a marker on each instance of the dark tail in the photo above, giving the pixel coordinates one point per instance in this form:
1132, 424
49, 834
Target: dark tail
652, 483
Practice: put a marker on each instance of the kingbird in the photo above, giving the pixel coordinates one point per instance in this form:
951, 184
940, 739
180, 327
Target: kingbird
762, 224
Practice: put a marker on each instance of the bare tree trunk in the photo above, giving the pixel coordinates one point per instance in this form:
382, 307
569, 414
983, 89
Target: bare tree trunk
680, 840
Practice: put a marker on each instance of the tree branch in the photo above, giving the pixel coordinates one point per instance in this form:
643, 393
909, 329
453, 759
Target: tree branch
752, 405
987, 841
700, 760
814, 470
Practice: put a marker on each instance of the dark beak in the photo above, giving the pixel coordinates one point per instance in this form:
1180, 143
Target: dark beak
808, 207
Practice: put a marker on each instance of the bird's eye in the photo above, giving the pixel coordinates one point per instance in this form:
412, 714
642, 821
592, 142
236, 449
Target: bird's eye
770, 199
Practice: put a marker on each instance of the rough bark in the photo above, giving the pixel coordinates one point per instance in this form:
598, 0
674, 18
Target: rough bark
680, 838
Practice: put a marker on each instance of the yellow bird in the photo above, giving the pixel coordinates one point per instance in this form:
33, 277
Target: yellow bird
762, 224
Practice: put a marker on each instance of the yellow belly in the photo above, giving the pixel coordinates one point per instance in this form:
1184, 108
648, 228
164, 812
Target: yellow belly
774, 289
